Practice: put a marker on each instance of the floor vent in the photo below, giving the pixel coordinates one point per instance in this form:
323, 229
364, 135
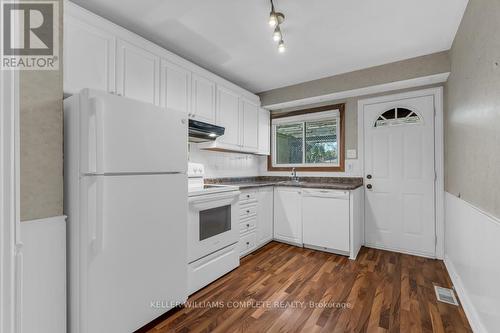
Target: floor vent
446, 295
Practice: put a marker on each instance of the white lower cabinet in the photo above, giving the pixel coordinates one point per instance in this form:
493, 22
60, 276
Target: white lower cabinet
256, 219
325, 220
248, 243
288, 215
265, 214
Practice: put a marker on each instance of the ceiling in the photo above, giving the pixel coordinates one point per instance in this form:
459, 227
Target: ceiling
323, 37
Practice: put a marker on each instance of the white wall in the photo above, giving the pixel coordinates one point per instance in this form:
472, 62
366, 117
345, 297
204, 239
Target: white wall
43, 277
473, 261
219, 165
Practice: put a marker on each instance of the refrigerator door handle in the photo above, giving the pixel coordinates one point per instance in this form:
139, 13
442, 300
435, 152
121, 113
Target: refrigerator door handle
96, 136
97, 230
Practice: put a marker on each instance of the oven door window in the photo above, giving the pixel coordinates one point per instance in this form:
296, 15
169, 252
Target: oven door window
215, 221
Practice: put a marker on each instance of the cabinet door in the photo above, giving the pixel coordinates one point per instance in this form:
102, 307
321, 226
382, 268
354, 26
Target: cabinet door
138, 73
89, 57
288, 215
175, 87
265, 215
264, 130
228, 117
203, 99
325, 219
250, 126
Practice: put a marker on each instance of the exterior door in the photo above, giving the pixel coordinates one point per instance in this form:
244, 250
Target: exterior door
400, 175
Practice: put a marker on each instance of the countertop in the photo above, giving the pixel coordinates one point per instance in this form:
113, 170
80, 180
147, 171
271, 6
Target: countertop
331, 183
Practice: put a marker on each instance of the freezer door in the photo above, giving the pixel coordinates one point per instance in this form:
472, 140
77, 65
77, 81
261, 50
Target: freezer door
122, 135
135, 248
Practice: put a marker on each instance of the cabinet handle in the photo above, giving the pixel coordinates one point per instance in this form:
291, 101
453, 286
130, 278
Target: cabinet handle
248, 211
248, 243
248, 195
248, 225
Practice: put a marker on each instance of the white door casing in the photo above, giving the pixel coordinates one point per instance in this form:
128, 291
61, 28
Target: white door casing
10, 236
400, 207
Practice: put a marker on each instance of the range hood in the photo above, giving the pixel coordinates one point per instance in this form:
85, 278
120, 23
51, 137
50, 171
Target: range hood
203, 132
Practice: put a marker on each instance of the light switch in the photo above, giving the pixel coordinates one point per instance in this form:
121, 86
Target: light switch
351, 154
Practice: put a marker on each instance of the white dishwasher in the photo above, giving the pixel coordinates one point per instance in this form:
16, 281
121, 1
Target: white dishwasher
325, 220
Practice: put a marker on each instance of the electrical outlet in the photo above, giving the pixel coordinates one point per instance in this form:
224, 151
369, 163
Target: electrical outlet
349, 167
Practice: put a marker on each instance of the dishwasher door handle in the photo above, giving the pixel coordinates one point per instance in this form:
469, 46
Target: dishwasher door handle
334, 194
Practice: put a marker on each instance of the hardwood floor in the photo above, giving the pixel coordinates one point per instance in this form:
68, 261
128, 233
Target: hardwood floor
282, 288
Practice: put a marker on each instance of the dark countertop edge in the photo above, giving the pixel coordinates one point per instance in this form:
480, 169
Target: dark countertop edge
352, 184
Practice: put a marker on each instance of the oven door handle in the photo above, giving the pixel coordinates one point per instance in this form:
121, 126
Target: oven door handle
204, 198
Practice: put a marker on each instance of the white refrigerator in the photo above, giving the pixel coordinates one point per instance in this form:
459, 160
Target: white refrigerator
126, 202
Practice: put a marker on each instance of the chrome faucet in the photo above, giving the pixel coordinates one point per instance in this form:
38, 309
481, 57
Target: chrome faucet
294, 175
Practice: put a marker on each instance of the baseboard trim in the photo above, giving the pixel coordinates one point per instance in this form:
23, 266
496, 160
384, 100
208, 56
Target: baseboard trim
469, 309
411, 253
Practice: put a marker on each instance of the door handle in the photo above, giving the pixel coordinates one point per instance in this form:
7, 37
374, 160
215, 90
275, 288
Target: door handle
369, 186
96, 215
96, 146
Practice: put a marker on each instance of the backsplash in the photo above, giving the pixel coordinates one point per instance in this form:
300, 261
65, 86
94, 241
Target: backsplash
219, 164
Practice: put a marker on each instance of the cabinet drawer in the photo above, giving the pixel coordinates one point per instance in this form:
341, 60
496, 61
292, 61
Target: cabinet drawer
248, 210
248, 243
248, 196
248, 224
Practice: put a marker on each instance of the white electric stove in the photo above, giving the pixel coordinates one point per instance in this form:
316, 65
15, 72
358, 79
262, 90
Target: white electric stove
212, 229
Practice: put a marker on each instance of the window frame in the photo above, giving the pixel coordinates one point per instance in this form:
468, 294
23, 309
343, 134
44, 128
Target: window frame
323, 167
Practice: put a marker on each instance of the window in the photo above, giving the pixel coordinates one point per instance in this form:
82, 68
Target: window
309, 140
397, 116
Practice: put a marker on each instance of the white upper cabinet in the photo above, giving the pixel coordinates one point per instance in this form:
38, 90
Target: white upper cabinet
103, 56
89, 57
175, 87
138, 73
264, 130
228, 115
250, 117
203, 99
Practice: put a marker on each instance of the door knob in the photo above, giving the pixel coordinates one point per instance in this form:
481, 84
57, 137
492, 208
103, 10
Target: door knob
369, 186
369, 176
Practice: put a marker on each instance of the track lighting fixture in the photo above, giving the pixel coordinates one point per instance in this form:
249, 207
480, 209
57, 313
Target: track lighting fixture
275, 19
